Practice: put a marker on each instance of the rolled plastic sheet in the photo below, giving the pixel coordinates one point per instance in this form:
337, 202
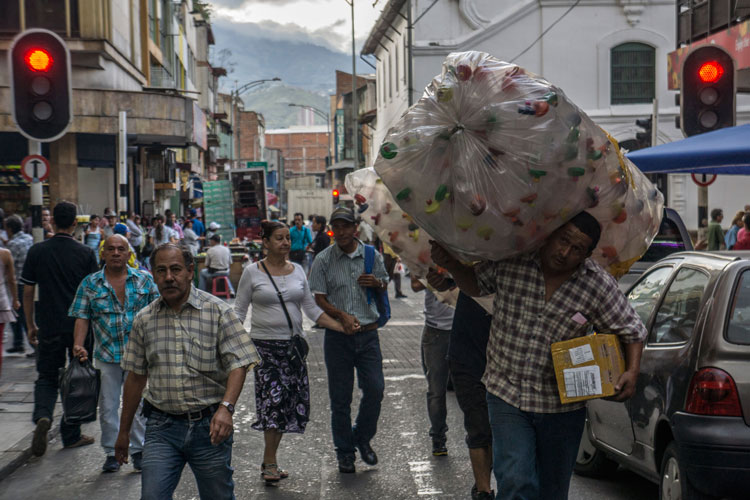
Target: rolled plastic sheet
492, 159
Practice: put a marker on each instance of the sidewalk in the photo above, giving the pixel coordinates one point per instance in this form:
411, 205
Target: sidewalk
399, 342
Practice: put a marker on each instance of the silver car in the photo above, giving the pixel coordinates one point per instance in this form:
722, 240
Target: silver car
688, 425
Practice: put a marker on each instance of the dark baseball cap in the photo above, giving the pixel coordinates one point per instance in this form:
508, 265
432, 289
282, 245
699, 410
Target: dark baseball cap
343, 213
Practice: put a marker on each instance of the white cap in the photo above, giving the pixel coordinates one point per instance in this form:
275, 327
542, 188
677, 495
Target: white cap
214, 226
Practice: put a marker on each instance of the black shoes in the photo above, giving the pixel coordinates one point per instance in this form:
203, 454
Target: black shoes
15, 350
39, 443
137, 460
111, 464
367, 453
400, 296
439, 449
481, 495
346, 464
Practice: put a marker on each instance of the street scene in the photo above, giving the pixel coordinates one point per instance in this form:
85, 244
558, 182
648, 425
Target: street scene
347, 249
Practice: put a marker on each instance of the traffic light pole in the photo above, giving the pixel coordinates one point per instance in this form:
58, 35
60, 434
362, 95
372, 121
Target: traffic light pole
35, 148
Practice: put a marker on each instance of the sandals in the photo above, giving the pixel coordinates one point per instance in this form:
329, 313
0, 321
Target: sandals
271, 473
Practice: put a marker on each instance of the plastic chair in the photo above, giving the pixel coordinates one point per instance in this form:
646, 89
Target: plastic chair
221, 291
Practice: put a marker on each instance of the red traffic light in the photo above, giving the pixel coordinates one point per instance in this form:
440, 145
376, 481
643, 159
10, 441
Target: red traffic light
710, 72
335, 192
330, 233
39, 59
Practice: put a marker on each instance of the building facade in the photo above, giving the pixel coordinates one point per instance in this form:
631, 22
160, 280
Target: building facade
303, 150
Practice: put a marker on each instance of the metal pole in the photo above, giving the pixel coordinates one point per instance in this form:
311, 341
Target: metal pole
654, 122
122, 162
409, 30
35, 148
355, 139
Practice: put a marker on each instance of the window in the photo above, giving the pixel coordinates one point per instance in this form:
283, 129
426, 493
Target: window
645, 295
10, 18
633, 76
738, 329
678, 313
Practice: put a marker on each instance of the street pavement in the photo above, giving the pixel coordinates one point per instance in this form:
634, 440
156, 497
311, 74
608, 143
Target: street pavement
407, 468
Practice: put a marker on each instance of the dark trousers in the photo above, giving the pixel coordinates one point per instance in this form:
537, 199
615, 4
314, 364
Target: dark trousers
52, 351
19, 327
344, 354
435, 367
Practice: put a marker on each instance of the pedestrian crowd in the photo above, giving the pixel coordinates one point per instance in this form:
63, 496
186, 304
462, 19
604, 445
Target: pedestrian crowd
177, 356
736, 237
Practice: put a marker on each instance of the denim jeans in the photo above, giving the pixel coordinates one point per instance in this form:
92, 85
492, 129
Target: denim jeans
19, 327
205, 277
435, 365
344, 353
109, 410
170, 444
533, 454
52, 350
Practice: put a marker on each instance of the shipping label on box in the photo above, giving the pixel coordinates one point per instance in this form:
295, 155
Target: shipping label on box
587, 367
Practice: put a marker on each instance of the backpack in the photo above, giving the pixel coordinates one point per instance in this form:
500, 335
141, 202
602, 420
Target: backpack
380, 297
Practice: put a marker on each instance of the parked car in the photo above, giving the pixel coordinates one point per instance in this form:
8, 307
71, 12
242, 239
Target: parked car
688, 425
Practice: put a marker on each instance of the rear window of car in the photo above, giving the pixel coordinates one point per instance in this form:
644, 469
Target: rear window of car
738, 329
668, 241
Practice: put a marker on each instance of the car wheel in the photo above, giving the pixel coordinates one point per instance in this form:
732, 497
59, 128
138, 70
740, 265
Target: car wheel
592, 462
674, 484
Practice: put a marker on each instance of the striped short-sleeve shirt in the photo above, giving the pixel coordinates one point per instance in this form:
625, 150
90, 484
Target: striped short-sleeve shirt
524, 325
188, 355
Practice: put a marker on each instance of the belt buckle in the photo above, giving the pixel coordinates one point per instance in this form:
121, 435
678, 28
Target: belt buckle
199, 416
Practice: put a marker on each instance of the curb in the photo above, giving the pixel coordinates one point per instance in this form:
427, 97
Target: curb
20, 453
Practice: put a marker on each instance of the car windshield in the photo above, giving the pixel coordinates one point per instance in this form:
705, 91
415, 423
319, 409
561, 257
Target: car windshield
738, 329
667, 241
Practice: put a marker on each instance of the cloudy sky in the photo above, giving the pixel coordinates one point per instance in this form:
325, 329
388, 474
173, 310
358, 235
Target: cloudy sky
321, 22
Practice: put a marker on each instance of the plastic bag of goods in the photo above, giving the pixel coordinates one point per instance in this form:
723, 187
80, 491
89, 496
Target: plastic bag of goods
492, 159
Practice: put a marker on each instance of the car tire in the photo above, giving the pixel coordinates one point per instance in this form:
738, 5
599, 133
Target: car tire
591, 461
673, 482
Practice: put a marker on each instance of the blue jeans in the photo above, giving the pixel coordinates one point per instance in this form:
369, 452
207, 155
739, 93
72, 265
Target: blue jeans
109, 410
344, 353
533, 454
19, 327
435, 366
170, 444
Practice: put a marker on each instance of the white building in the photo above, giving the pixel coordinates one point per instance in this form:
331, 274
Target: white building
608, 56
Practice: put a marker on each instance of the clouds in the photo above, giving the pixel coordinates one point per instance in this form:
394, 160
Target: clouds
290, 32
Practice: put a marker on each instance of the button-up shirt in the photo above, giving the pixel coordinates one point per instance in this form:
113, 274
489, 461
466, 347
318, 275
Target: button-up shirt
524, 325
188, 355
300, 238
334, 274
19, 246
96, 301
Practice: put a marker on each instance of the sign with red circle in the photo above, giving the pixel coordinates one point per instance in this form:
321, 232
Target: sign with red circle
704, 180
35, 166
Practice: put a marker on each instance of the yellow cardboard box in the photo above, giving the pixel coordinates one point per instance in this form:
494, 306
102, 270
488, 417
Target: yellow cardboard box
587, 367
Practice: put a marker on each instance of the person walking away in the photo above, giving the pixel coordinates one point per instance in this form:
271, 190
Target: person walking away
438, 319
135, 233
301, 238
93, 236
198, 226
108, 301
715, 235
535, 436
190, 353
218, 261
730, 237
743, 236
9, 304
282, 388
340, 285
18, 245
57, 266
160, 233
391, 260
191, 240
321, 241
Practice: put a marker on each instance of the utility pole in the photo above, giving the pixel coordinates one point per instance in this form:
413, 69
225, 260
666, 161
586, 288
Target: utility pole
355, 138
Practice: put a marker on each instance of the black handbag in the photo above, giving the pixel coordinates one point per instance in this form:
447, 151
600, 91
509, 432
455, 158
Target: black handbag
298, 347
80, 384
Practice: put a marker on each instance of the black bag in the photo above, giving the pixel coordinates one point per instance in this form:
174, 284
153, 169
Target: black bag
80, 384
298, 347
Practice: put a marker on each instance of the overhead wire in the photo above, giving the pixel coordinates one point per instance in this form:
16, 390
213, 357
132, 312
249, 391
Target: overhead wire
547, 30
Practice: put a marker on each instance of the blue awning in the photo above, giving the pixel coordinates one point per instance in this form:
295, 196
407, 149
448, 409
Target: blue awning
724, 151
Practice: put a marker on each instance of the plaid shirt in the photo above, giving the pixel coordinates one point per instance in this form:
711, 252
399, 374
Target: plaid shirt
524, 325
97, 302
188, 355
19, 246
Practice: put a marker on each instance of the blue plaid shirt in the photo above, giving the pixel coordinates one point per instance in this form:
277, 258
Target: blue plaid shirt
97, 302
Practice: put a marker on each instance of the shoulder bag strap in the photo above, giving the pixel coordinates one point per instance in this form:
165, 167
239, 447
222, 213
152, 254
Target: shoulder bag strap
369, 264
278, 294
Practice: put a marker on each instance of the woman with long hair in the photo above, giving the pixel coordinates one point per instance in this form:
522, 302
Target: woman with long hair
730, 238
282, 389
160, 233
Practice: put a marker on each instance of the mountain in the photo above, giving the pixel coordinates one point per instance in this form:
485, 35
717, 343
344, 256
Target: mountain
273, 103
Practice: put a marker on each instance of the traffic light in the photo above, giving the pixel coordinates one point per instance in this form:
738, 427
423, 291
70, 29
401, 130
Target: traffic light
335, 196
708, 91
644, 138
40, 85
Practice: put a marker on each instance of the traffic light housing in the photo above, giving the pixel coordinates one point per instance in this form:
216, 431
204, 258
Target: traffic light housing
707, 98
41, 103
644, 138
335, 196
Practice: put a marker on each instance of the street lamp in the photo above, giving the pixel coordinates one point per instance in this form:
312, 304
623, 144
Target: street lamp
234, 95
323, 115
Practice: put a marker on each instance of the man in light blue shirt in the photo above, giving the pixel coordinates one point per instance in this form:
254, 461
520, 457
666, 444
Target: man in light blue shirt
301, 238
339, 283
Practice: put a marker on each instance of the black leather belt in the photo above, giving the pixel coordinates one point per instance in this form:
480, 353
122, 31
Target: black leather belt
148, 408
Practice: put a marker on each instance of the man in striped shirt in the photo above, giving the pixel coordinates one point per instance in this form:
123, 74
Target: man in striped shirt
557, 293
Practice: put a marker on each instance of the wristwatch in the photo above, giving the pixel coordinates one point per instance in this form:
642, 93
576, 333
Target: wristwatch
229, 406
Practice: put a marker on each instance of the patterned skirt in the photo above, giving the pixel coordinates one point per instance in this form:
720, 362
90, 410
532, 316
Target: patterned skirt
282, 390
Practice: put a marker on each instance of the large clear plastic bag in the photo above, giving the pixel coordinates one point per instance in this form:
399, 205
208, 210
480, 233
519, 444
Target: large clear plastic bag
492, 159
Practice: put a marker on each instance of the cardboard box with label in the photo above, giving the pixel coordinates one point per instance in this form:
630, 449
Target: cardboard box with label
587, 367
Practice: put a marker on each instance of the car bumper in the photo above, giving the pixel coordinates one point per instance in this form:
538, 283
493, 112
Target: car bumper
715, 452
